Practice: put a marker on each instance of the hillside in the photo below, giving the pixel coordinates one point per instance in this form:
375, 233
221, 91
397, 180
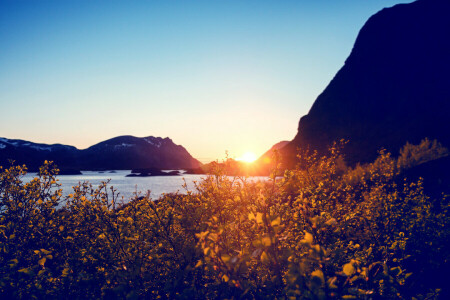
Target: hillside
119, 153
393, 88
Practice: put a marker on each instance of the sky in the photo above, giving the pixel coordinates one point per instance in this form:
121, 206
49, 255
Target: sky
214, 76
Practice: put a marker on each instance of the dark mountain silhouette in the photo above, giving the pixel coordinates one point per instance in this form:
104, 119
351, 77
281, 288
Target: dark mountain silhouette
33, 154
393, 88
129, 152
265, 162
119, 153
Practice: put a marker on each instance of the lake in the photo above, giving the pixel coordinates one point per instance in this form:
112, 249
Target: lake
127, 186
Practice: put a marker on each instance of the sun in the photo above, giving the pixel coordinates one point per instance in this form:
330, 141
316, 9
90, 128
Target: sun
248, 157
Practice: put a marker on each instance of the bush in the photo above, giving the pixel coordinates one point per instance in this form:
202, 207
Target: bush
320, 231
413, 155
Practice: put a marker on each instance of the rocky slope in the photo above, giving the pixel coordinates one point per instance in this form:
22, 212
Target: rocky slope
393, 88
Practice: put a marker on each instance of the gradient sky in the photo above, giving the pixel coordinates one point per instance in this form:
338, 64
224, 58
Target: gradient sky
211, 75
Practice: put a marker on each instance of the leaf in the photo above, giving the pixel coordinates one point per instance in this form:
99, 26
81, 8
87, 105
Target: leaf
348, 269
308, 239
25, 271
251, 216
225, 278
276, 222
213, 237
256, 243
264, 258
266, 241
226, 258
199, 263
259, 218
61, 228
318, 274
331, 222
45, 251
42, 261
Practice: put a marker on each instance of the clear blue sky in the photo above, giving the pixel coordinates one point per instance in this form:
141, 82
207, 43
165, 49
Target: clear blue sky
211, 75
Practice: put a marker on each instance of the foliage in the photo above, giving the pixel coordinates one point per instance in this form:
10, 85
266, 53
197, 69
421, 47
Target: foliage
412, 155
320, 231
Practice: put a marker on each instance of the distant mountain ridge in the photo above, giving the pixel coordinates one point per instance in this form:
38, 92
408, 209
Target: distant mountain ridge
119, 153
393, 88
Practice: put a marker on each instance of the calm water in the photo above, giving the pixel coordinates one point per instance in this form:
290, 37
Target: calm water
127, 186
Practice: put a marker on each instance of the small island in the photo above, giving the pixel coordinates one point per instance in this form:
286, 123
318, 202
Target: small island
69, 172
147, 172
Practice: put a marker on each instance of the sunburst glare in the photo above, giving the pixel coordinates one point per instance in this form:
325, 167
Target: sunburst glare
248, 157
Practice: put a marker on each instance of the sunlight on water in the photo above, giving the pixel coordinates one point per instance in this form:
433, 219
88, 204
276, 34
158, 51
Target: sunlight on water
128, 186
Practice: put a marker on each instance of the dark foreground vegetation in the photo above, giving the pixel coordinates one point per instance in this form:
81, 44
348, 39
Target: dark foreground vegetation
321, 231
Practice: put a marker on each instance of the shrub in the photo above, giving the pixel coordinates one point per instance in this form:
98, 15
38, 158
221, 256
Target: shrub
319, 231
413, 155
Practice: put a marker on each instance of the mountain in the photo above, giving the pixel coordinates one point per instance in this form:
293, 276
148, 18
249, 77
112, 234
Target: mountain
264, 163
393, 88
33, 154
119, 153
129, 152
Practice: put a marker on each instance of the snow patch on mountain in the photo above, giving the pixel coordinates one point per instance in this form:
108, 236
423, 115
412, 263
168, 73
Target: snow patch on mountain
124, 145
153, 141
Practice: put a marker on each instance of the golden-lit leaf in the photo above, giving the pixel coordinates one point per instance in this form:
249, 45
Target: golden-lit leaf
266, 241
25, 271
331, 222
199, 263
276, 222
308, 239
256, 243
259, 218
42, 261
348, 269
225, 258
225, 278
264, 257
